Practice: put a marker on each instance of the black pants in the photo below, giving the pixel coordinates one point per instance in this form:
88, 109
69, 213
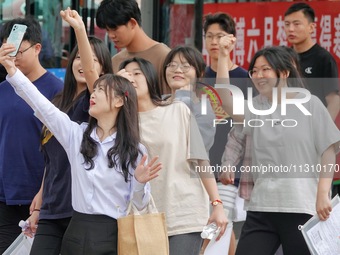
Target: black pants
89, 234
335, 190
10, 215
47, 240
263, 232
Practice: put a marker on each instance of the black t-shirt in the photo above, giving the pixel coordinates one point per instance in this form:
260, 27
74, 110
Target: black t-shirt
320, 70
57, 183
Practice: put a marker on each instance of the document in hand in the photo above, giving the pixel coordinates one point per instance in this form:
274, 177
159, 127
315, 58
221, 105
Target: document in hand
222, 245
323, 237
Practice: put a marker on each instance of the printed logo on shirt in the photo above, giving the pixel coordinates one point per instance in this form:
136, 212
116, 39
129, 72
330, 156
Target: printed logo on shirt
308, 70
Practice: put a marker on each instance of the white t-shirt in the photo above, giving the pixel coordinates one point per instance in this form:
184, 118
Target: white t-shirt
171, 133
290, 155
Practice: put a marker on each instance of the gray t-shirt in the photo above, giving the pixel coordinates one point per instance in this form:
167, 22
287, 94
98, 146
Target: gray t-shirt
205, 121
286, 160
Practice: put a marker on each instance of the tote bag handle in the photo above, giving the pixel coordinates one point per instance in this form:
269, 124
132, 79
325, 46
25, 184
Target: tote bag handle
150, 208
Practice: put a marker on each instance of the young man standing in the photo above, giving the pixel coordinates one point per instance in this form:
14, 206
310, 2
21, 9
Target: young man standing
21, 162
215, 27
316, 62
122, 20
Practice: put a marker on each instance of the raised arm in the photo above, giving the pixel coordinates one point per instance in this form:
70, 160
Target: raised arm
226, 45
85, 51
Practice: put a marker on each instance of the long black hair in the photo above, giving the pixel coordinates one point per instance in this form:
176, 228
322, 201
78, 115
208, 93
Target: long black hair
66, 99
125, 151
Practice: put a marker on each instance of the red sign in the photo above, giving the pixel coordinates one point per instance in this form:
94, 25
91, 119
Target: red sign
262, 24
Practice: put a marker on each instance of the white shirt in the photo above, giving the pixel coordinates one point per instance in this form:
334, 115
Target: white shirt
101, 190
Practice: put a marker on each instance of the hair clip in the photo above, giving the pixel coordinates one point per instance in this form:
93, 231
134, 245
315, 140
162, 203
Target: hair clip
126, 95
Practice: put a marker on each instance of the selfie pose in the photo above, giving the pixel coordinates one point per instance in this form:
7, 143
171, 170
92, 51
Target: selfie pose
21, 162
108, 163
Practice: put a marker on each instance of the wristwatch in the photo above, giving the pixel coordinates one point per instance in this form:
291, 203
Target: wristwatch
216, 202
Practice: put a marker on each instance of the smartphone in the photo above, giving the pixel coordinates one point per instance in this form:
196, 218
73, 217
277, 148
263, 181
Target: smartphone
15, 37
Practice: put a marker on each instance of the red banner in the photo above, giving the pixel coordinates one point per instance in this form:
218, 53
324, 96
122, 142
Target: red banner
262, 24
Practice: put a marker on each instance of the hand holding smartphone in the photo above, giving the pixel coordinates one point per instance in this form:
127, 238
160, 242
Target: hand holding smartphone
15, 37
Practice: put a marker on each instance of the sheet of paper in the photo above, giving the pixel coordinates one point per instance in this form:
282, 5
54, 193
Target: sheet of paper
21, 246
221, 246
323, 237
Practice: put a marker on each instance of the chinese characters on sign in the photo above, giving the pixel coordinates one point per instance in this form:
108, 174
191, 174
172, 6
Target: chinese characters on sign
262, 24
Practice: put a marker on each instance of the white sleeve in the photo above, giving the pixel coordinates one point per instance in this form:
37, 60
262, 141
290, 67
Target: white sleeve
140, 191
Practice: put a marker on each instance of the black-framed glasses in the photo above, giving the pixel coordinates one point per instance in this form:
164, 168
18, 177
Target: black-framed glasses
19, 54
172, 66
210, 37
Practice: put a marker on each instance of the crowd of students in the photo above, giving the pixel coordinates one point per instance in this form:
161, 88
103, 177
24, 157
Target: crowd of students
126, 128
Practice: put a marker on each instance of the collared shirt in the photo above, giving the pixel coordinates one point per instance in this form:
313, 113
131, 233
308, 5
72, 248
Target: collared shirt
101, 190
